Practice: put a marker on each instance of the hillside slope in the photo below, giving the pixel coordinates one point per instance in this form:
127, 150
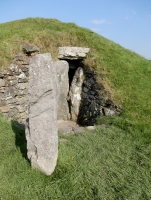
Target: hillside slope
125, 74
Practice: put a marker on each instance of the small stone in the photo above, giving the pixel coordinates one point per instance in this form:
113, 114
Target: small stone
21, 108
91, 128
12, 112
11, 100
28, 49
4, 109
13, 82
22, 100
22, 76
25, 69
2, 83
13, 68
2, 89
18, 58
1, 75
10, 91
108, 112
22, 86
79, 129
2, 103
85, 89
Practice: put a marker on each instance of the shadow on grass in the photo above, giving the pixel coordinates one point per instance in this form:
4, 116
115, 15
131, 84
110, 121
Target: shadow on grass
20, 139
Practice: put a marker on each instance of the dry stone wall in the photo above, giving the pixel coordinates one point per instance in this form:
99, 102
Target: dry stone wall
13, 92
95, 101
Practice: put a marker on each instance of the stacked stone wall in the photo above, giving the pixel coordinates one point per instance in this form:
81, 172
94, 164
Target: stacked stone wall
14, 92
95, 101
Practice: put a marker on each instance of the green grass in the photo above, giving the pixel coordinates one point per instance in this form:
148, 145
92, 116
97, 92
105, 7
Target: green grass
111, 163
106, 164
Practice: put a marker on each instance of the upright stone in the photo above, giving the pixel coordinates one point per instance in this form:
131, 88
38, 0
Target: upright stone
75, 93
62, 68
42, 129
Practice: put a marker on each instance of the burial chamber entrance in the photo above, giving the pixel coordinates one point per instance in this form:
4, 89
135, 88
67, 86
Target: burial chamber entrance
73, 66
87, 99
83, 99
75, 78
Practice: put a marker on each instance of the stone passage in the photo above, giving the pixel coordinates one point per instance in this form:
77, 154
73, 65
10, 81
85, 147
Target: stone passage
87, 98
42, 128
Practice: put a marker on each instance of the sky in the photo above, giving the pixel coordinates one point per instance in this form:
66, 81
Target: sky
126, 22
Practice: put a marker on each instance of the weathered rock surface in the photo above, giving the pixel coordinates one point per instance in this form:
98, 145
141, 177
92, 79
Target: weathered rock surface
41, 131
72, 53
62, 68
75, 93
29, 49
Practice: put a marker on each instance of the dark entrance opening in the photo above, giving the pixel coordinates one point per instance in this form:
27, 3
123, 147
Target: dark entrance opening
73, 66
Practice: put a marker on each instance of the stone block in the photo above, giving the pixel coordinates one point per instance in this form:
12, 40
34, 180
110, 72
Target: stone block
72, 53
22, 86
2, 103
42, 129
4, 109
2, 83
28, 49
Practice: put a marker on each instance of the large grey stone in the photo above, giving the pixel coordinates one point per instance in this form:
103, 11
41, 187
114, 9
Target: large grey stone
72, 53
62, 68
42, 129
75, 93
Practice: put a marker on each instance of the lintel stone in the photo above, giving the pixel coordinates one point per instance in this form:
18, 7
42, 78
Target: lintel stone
72, 53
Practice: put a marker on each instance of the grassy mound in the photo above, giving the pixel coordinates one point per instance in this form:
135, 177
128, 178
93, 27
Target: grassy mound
125, 74
109, 163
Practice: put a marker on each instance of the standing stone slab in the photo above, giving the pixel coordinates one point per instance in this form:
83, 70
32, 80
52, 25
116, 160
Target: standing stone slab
42, 128
75, 93
62, 68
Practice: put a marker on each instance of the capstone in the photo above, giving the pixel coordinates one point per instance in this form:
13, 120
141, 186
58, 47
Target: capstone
72, 53
28, 49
